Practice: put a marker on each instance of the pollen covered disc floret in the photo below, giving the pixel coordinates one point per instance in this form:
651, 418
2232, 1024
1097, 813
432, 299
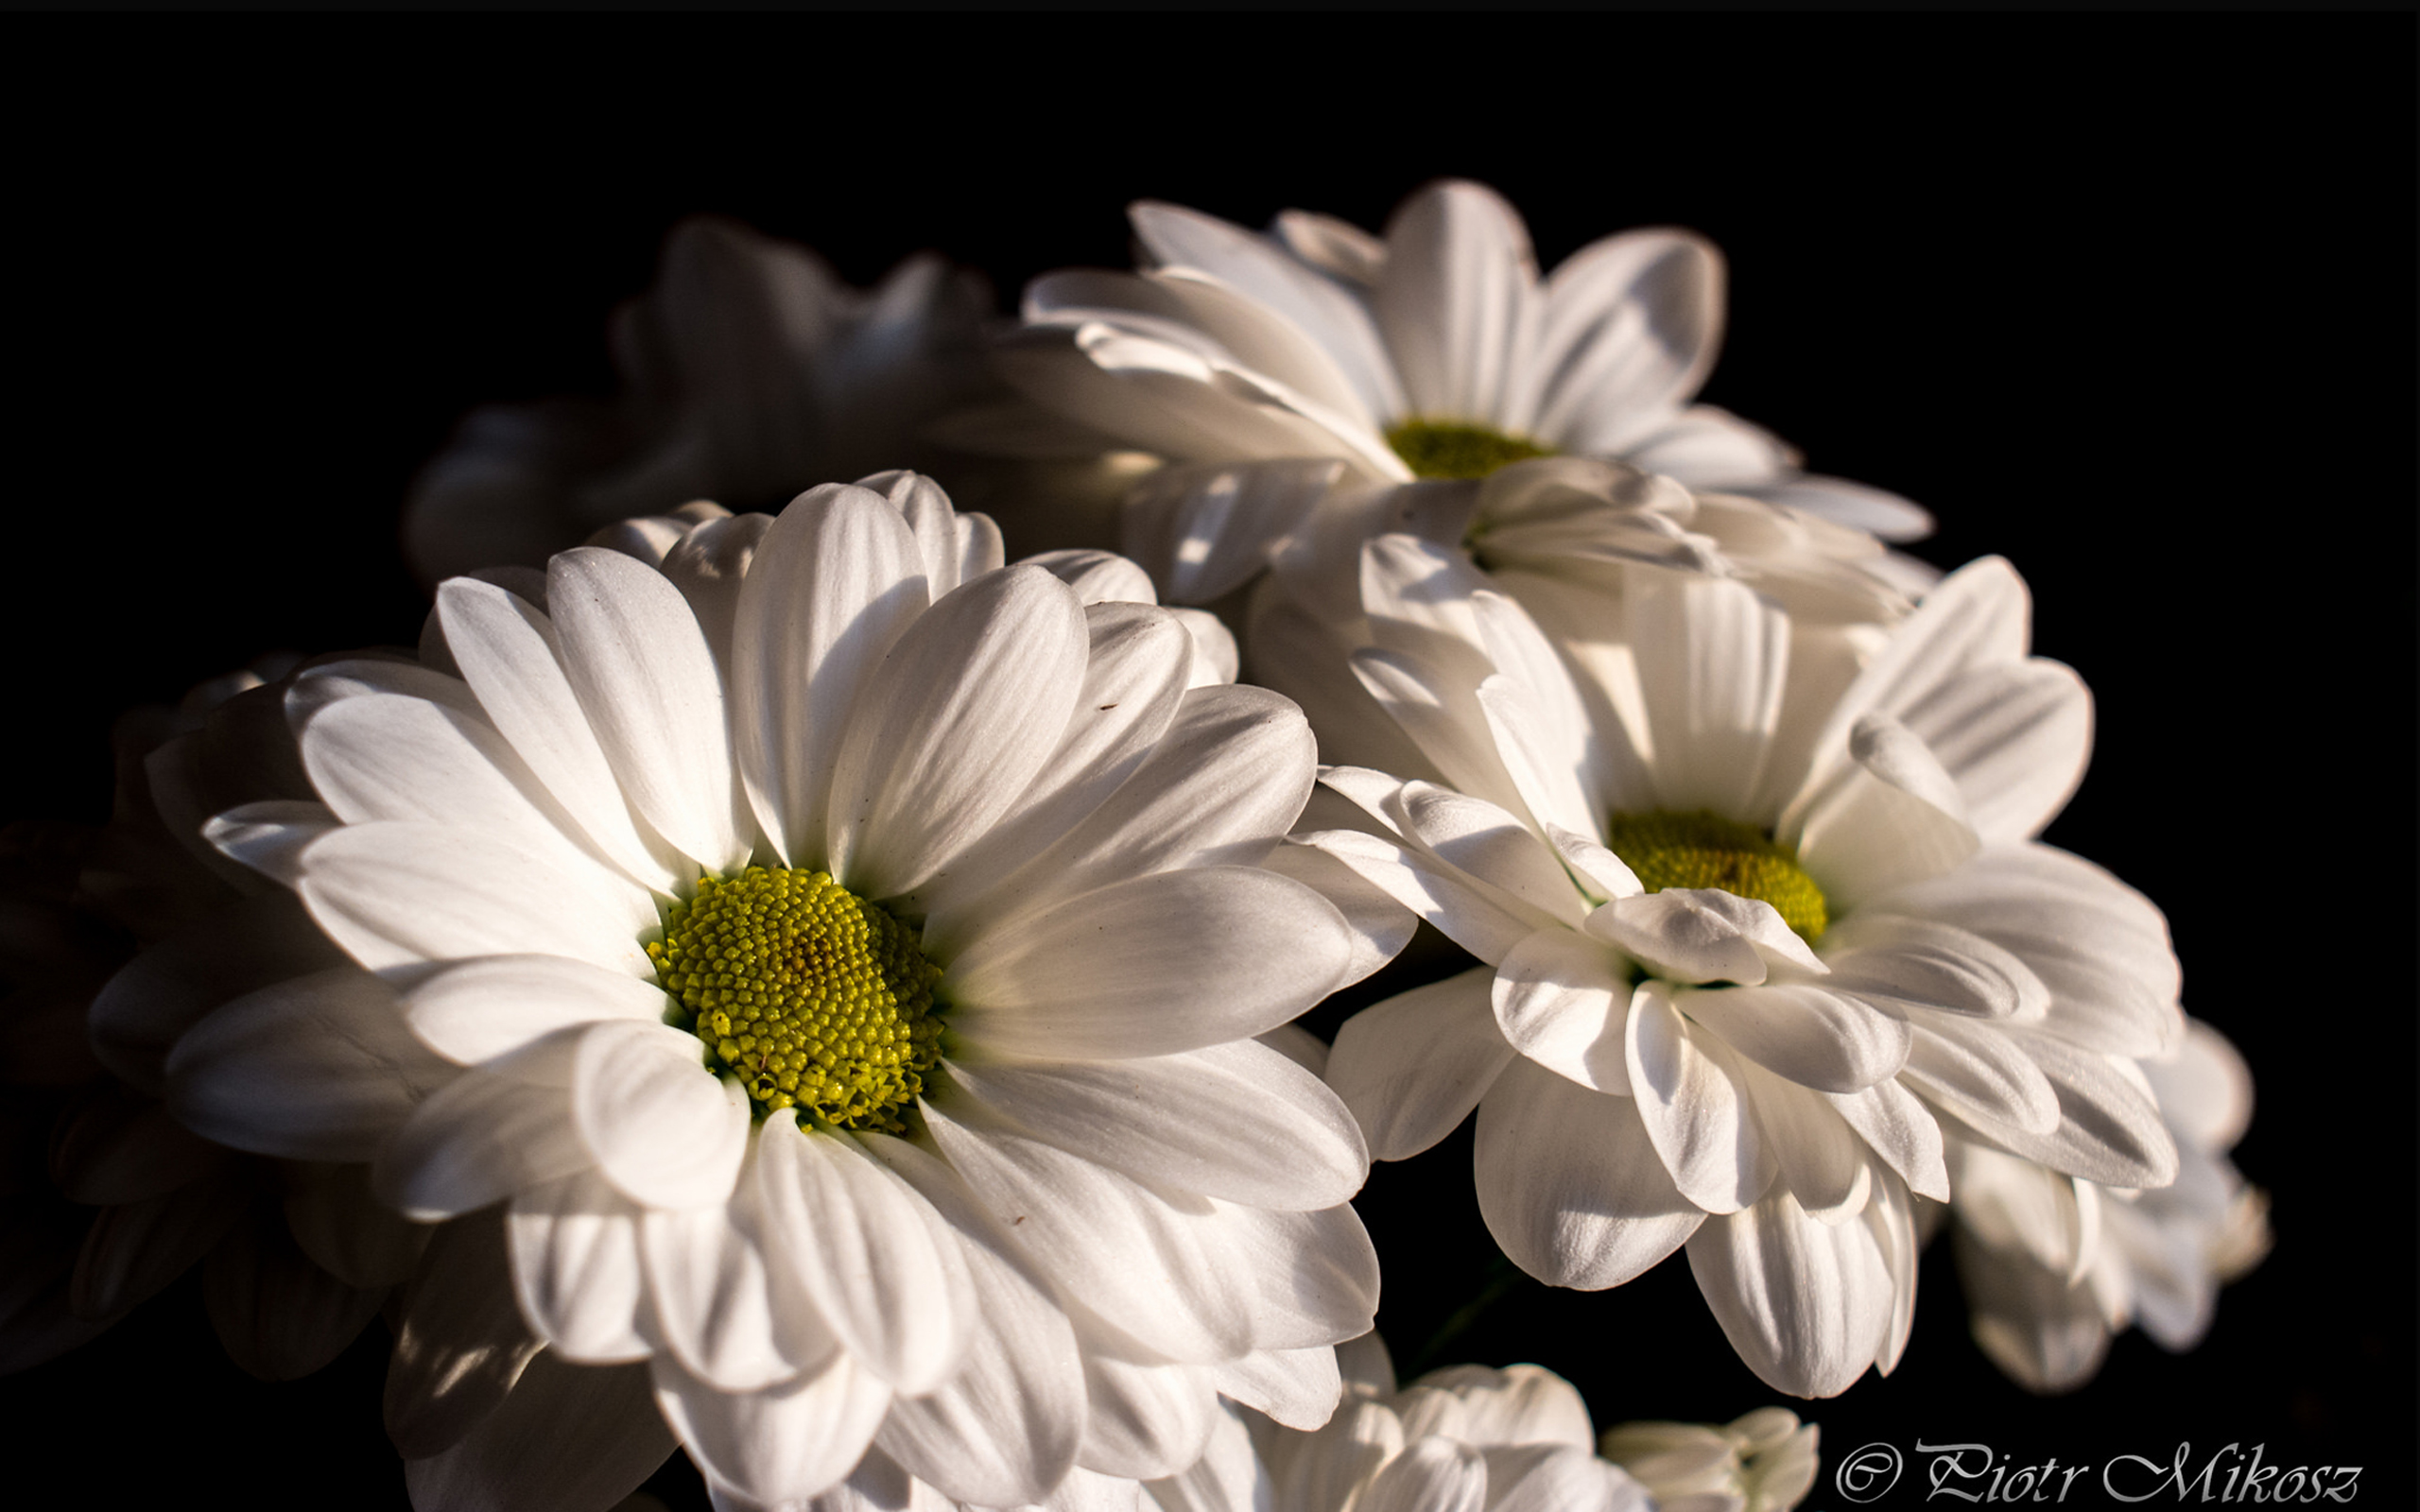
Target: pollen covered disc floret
1702, 849
815, 998
1453, 448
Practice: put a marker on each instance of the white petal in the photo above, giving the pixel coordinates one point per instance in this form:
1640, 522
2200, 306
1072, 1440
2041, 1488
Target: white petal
2014, 738
1830, 1040
1481, 921
1223, 784
1558, 1478
1713, 660
400, 896
1888, 817
1687, 1089
1298, 1389
1432, 1474
1821, 1161
709, 565
834, 582
1412, 1067
1562, 999
1939, 965
317, 1068
1146, 1420
706, 1275
1238, 1121
1703, 935
109, 1146
964, 710
1630, 330
880, 1265
569, 1438
1979, 1073
1899, 1127
2100, 947
478, 1138
1572, 1186
638, 659
2109, 1130
509, 656
576, 1267
1381, 927
1978, 617
479, 1009
783, 1444
1314, 1276
280, 1316
1105, 976
1135, 673
1806, 1304
1006, 1427
271, 837
1518, 1404
664, 1129
1228, 1475
1144, 1263
1458, 301
1486, 842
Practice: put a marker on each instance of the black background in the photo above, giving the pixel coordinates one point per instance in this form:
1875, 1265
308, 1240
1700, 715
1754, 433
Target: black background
2127, 300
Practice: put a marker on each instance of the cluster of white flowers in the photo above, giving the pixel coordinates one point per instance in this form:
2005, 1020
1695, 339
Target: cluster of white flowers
802, 988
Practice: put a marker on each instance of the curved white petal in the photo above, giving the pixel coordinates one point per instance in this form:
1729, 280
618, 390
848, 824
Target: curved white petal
568, 1438
1105, 976
881, 1267
1806, 1032
834, 583
576, 1267
662, 1127
476, 1010
646, 678
474, 1141
318, 1068
966, 708
1458, 301
1808, 1305
714, 1303
1432, 1474
1713, 660
1144, 1421
1688, 1091
1238, 1121
1570, 1184
1562, 999
1703, 935
782, 1444
1412, 1067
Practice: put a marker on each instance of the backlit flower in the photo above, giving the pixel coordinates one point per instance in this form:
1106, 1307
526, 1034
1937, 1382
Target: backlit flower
1756, 930
822, 973
1279, 370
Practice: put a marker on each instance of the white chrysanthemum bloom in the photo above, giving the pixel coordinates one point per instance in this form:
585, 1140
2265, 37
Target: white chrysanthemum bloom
817, 977
1754, 934
2053, 1265
1271, 369
158, 930
1763, 1462
1466, 1438
750, 370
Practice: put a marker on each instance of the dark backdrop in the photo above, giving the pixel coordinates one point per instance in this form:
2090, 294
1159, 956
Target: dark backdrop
2128, 301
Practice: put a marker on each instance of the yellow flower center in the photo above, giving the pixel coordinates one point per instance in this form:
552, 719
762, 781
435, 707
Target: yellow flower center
1448, 449
1703, 850
815, 998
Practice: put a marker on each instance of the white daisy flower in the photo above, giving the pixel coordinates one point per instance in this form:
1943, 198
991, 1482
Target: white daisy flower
1272, 368
750, 370
1465, 1438
2053, 1265
815, 981
1763, 1462
1755, 931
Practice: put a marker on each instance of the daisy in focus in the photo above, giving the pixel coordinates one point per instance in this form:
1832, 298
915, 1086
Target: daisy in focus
2053, 1265
1757, 932
816, 974
1285, 373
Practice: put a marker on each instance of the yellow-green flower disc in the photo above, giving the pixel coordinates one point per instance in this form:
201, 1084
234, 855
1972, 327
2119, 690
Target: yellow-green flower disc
812, 997
1444, 449
1703, 850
